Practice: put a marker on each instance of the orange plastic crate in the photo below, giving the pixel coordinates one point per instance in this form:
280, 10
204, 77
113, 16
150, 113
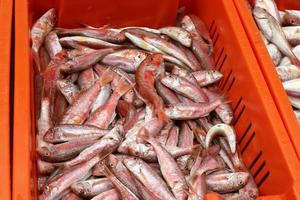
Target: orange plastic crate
268, 68
5, 50
262, 137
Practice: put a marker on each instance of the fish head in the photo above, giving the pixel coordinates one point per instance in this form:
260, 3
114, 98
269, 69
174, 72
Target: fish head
260, 13
112, 161
44, 151
187, 23
216, 75
81, 188
53, 134
241, 177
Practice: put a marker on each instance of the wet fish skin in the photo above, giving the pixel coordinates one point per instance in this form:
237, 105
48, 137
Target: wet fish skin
145, 77
64, 151
104, 146
79, 110
149, 178
68, 89
168, 166
92, 187
270, 6
102, 117
207, 77
292, 87
106, 34
291, 17
184, 111
57, 186
224, 130
288, 72
52, 44
273, 32
85, 61
112, 194
102, 97
292, 34
178, 34
274, 53
39, 31
227, 182
86, 79
131, 115
184, 87
69, 132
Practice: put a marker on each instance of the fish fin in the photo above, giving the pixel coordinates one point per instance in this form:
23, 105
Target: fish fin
122, 87
106, 77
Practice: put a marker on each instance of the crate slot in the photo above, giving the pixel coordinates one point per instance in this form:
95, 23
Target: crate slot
214, 31
235, 121
219, 57
211, 26
264, 178
259, 169
222, 63
255, 160
247, 143
234, 108
230, 85
216, 40
224, 82
245, 133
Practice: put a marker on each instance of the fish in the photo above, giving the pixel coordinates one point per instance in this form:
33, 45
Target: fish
79, 110
197, 187
148, 178
92, 187
292, 87
145, 77
274, 53
173, 136
64, 151
270, 7
56, 187
184, 111
292, 34
185, 140
70, 132
227, 182
52, 44
129, 112
106, 34
273, 32
288, 72
104, 146
125, 193
45, 168
184, 87
84, 61
115, 164
207, 77
112, 194
68, 89
39, 31
223, 111
86, 79
89, 42
201, 42
291, 18
179, 34
168, 166
226, 131
102, 97
126, 59
71, 196
44, 122
101, 117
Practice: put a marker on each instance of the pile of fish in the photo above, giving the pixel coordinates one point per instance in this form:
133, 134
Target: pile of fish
280, 31
133, 113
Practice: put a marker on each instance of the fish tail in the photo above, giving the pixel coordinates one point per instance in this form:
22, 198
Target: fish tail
122, 87
106, 77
